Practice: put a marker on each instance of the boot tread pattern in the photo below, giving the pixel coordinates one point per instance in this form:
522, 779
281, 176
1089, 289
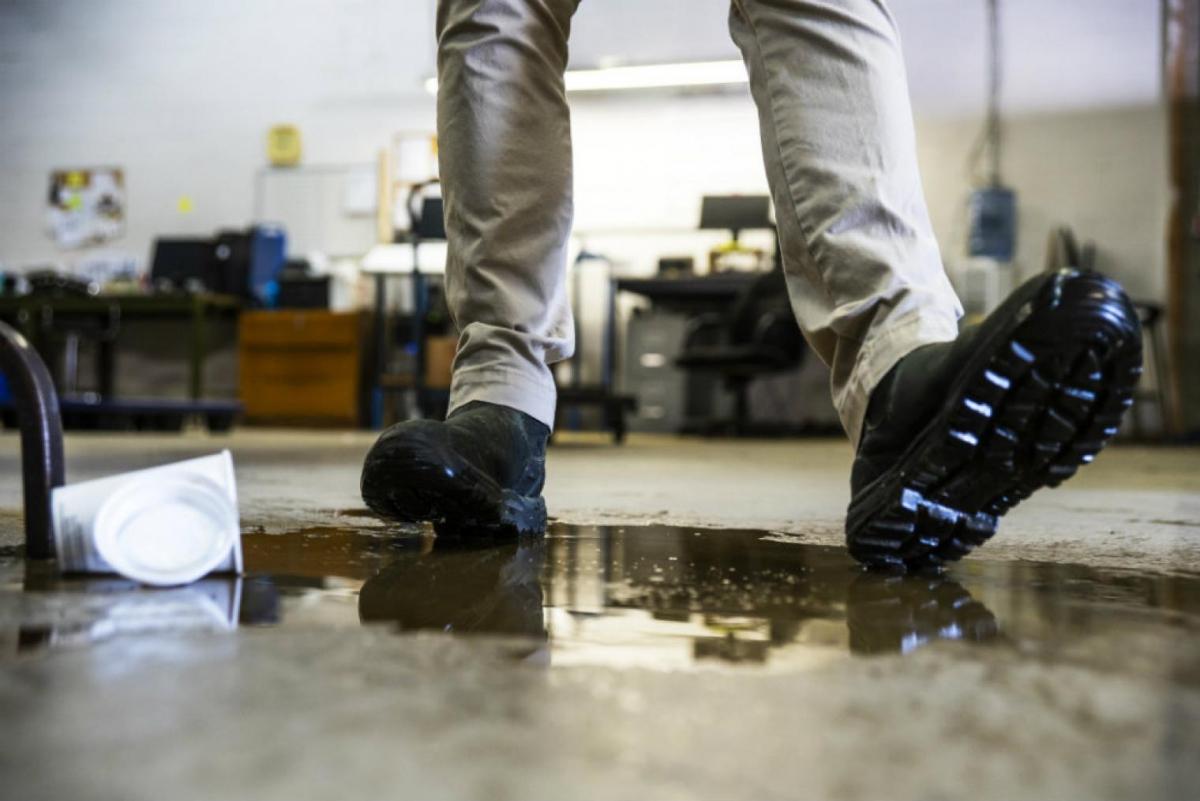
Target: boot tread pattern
1048, 399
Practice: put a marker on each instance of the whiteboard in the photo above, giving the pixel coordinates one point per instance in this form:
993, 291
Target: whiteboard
322, 208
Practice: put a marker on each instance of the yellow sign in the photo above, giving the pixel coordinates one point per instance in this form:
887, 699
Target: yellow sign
283, 145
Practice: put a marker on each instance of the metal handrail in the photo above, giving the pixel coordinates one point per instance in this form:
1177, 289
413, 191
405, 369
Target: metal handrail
38, 415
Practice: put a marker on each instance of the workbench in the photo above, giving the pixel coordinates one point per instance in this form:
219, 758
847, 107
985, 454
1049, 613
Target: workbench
44, 318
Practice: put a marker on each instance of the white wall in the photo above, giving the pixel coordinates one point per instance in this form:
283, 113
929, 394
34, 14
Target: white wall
1101, 171
180, 94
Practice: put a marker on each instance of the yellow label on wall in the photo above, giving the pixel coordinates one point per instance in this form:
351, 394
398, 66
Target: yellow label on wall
283, 145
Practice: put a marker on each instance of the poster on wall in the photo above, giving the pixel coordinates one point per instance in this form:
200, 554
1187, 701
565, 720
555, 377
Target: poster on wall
86, 206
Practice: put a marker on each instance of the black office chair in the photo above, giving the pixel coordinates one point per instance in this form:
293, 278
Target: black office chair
758, 337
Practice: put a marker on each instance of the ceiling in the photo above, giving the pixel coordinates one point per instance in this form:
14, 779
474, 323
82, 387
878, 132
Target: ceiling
1056, 55
1059, 54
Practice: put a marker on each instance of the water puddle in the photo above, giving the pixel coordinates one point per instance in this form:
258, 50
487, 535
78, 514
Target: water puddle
654, 596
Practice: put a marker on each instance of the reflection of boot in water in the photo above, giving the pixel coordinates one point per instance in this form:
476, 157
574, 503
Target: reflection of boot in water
463, 586
887, 613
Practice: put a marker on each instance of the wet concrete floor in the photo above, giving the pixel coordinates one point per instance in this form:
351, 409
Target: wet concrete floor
356, 660
614, 660
655, 596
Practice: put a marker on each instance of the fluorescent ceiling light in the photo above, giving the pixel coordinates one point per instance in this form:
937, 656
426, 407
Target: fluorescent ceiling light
657, 76
649, 76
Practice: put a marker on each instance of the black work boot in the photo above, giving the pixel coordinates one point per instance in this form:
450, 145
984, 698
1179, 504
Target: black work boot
960, 432
481, 471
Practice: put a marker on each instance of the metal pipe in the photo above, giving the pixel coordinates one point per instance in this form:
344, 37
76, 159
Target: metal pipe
41, 436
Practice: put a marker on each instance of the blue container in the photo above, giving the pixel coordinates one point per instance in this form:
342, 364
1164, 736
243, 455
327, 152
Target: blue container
993, 215
268, 252
5, 395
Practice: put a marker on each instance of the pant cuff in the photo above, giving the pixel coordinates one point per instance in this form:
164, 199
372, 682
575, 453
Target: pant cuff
504, 388
883, 348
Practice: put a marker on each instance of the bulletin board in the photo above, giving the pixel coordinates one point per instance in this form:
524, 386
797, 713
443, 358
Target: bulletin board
85, 206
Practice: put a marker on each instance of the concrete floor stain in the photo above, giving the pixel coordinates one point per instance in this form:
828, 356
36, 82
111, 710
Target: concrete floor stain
655, 596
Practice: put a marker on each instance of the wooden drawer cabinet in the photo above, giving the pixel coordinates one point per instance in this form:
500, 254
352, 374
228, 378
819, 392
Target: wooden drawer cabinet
302, 367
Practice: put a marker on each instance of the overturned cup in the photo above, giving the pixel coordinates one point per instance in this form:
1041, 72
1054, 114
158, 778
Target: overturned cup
164, 526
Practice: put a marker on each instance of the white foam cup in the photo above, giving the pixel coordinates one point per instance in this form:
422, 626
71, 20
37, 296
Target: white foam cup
165, 525
166, 530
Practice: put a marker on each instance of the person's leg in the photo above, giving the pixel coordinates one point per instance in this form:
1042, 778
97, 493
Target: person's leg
951, 429
862, 264
505, 155
504, 144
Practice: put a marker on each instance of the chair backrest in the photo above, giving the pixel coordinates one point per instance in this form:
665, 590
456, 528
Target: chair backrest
762, 315
1063, 250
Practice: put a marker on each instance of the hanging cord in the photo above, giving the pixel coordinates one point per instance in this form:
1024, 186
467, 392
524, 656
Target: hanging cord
984, 161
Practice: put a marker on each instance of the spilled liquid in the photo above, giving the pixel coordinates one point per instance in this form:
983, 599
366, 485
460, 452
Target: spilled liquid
654, 596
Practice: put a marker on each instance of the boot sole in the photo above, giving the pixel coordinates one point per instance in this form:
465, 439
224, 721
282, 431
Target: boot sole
1042, 394
459, 500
